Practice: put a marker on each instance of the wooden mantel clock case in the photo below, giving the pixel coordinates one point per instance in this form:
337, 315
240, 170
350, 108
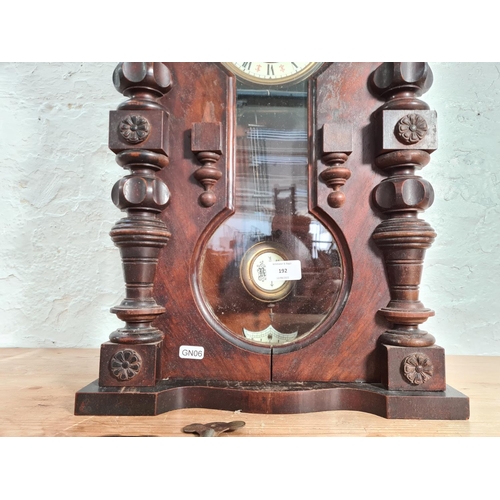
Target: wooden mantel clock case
271, 244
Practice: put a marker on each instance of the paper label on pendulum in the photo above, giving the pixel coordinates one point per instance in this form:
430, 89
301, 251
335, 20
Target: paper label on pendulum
284, 270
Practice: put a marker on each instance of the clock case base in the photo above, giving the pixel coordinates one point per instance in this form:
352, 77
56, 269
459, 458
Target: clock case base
271, 398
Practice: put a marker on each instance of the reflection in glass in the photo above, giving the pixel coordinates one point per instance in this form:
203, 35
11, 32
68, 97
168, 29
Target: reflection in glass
272, 221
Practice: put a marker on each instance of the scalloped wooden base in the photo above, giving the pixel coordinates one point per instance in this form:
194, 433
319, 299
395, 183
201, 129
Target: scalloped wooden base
271, 398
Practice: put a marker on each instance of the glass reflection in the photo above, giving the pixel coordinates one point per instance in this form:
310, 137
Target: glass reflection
272, 222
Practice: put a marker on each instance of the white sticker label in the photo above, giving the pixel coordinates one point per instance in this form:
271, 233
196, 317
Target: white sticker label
191, 352
284, 270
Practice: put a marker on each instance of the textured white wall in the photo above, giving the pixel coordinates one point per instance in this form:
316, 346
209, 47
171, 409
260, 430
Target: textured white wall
60, 272
58, 269
462, 274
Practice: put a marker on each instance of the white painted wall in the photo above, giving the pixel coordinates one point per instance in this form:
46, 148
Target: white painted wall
462, 275
60, 272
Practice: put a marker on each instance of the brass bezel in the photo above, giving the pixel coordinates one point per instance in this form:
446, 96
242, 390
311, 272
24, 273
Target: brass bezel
295, 78
246, 272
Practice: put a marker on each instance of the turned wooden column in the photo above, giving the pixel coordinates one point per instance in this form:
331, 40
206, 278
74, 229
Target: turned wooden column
138, 134
406, 136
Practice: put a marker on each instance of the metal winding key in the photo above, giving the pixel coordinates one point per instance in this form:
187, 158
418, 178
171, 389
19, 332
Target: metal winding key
213, 429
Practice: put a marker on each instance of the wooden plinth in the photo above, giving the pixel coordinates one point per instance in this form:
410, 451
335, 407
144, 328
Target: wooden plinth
37, 398
271, 398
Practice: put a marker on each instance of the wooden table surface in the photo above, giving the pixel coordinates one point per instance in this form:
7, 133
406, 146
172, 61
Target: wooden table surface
38, 388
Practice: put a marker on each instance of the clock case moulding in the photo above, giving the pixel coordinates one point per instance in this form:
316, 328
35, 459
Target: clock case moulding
368, 135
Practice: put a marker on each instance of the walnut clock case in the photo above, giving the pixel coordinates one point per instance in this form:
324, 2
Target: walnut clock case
271, 244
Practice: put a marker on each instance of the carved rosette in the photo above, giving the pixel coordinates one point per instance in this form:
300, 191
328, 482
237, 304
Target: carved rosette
134, 129
406, 137
417, 368
125, 364
411, 129
139, 137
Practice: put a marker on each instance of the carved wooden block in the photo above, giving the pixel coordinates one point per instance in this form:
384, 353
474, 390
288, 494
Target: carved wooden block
337, 138
128, 366
413, 369
206, 136
146, 128
407, 129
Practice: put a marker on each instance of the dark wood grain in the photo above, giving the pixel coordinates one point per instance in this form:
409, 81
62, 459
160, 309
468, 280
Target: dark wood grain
305, 397
199, 90
348, 338
367, 134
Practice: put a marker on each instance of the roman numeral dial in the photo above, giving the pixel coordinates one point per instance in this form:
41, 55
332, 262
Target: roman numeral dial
272, 72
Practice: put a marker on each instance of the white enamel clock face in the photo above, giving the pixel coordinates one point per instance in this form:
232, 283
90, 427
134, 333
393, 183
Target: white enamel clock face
273, 73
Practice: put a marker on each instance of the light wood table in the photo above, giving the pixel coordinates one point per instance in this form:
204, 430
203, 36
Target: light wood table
38, 388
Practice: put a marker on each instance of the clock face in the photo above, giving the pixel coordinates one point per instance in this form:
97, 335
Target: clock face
273, 73
256, 273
